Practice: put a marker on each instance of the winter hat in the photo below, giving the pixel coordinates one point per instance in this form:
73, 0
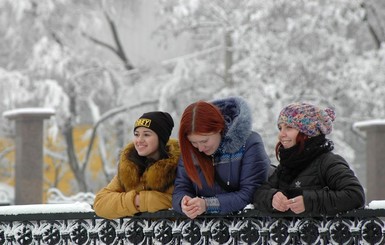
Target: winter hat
159, 122
308, 119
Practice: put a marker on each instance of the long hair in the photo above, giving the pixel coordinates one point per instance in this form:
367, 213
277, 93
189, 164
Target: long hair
144, 162
300, 141
199, 118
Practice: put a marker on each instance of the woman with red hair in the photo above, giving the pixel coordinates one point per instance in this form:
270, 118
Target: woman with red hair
222, 160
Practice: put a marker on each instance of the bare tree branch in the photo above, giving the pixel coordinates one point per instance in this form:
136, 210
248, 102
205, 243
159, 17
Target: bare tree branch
370, 10
118, 50
98, 42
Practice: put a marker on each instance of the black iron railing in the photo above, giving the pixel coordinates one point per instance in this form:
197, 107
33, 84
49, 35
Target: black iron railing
363, 226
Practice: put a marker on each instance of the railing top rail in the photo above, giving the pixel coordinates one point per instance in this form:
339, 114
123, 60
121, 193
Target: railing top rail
170, 214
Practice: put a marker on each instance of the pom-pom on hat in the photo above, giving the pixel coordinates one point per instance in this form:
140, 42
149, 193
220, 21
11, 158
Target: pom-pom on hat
159, 122
307, 118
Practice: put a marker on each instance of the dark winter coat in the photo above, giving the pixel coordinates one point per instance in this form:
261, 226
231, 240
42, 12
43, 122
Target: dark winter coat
240, 161
328, 186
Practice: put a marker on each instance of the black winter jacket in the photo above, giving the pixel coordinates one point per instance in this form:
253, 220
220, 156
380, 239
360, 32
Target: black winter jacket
328, 186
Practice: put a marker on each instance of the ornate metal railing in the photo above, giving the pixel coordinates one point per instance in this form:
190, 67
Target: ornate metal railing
167, 227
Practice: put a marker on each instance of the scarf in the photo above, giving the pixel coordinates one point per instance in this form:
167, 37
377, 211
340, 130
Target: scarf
292, 161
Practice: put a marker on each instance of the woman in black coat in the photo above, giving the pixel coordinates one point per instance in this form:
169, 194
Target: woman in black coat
310, 179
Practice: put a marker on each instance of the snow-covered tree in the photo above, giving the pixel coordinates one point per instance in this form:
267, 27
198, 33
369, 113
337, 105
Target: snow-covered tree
73, 56
277, 52
51, 67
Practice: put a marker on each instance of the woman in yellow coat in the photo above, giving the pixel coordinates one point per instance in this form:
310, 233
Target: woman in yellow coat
146, 171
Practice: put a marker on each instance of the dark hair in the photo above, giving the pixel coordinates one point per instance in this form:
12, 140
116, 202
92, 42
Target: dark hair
199, 118
144, 162
300, 140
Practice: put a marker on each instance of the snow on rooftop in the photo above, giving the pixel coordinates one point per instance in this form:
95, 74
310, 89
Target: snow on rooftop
78, 207
28, 111
368, 123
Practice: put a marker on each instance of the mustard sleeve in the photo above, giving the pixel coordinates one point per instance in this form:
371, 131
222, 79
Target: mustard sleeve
152, 201
113, 202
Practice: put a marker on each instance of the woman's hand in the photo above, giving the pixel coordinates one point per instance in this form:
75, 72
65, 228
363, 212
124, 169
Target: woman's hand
296, 204
279, 202
193, 207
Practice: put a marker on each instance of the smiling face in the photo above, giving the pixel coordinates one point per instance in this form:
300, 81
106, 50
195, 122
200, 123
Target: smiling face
287, 136
206, 143
146, 143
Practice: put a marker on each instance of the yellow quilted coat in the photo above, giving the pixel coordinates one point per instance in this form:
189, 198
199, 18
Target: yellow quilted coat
154, 187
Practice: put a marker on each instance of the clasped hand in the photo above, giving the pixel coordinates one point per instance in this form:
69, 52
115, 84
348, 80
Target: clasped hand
193, 207
281, 203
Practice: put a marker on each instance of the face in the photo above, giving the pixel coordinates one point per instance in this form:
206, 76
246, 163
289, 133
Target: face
206, 143
287, 136
146, 143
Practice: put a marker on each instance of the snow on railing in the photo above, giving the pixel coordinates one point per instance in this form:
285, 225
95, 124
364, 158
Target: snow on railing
77, 207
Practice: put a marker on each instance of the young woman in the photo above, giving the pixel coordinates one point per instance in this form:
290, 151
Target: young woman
310, 179
222, 162
146, 171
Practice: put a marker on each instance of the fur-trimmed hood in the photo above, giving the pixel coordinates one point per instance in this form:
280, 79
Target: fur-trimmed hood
159, 176
237, 115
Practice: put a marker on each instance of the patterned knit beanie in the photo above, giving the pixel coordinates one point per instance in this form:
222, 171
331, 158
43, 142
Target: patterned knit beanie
308, 119
159, 122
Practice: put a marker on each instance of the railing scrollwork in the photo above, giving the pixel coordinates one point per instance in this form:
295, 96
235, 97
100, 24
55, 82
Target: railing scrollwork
167, 227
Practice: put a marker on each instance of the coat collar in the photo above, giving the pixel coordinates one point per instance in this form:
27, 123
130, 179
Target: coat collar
159, 176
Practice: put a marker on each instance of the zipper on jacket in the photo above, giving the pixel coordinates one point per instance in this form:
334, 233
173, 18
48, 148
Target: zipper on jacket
228, 177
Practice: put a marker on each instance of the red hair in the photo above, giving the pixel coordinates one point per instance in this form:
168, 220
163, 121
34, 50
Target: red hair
300, 140
199, 118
